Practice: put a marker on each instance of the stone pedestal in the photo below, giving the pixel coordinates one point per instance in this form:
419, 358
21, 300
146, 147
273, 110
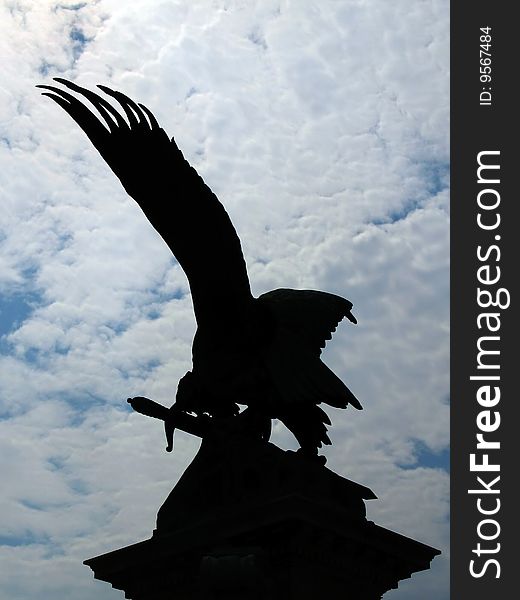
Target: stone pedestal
263, 524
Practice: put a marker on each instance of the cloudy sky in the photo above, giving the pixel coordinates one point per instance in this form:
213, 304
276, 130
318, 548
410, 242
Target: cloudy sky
323, 128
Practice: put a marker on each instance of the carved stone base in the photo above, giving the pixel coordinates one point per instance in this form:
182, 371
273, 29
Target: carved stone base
263, 524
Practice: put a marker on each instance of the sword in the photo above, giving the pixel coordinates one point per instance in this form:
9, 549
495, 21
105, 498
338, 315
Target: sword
173, 418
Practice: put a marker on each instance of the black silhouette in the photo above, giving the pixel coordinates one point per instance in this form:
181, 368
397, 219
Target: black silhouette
260, 352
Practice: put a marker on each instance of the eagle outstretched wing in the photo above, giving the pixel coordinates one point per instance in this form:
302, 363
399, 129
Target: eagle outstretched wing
305, 320
175, 199
312, 314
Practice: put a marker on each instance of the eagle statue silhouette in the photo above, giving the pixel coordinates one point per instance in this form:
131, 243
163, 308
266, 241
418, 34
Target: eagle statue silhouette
262, 353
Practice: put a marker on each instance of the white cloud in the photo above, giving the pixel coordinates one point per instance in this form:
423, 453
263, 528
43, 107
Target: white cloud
323, 128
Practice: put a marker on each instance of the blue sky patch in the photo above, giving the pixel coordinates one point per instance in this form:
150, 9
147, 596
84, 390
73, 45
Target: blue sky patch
79, 42
14, 309
27, 539
429, 459
436, 175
